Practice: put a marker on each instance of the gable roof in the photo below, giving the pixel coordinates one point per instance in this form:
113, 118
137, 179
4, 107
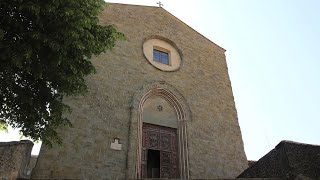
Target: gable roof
174, 17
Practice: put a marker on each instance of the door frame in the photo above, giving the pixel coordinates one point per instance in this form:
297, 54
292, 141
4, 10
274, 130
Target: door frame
169, 93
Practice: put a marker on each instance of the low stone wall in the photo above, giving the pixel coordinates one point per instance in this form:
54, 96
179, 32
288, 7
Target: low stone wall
14, 159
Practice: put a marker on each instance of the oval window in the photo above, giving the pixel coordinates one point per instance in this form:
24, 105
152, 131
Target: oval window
161, 54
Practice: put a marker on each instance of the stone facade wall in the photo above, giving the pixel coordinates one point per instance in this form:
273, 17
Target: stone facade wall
14, 159
214, 139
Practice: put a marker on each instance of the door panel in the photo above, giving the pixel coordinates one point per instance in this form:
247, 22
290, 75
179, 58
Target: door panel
163, 139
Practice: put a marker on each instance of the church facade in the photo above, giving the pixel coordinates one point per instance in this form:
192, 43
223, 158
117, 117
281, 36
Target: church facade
159, 106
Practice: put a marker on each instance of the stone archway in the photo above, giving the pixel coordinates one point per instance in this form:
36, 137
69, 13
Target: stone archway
171, 95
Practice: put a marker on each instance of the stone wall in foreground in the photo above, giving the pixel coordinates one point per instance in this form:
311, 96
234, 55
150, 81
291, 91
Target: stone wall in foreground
288, 160
14, 159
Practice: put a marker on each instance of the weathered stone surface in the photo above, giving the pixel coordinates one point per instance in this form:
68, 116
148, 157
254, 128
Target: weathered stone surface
215, 147
289, 160
14, 159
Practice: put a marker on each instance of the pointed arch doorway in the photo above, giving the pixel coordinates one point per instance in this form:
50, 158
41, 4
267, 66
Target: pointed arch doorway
158, 133
159, 139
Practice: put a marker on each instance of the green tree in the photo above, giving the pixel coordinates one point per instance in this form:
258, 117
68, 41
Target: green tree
45, 51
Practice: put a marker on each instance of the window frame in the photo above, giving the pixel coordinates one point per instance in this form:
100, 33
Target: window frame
161, 51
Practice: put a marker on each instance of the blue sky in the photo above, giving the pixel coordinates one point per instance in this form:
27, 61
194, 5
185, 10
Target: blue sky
273, 50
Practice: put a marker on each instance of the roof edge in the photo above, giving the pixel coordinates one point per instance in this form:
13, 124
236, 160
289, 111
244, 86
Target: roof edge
285, 142
132, 4
210, 41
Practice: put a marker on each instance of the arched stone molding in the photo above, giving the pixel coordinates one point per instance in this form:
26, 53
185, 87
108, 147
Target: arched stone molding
168, 92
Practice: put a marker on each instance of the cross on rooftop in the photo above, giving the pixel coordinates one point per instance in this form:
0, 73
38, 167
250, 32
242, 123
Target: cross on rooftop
159, 3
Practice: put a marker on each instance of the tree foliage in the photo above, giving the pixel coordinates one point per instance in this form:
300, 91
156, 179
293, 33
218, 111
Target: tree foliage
45, 51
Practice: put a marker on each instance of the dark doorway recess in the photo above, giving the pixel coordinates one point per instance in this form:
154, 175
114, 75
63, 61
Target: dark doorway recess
153, 164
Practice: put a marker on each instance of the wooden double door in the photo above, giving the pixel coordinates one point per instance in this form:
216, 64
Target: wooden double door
159, 152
